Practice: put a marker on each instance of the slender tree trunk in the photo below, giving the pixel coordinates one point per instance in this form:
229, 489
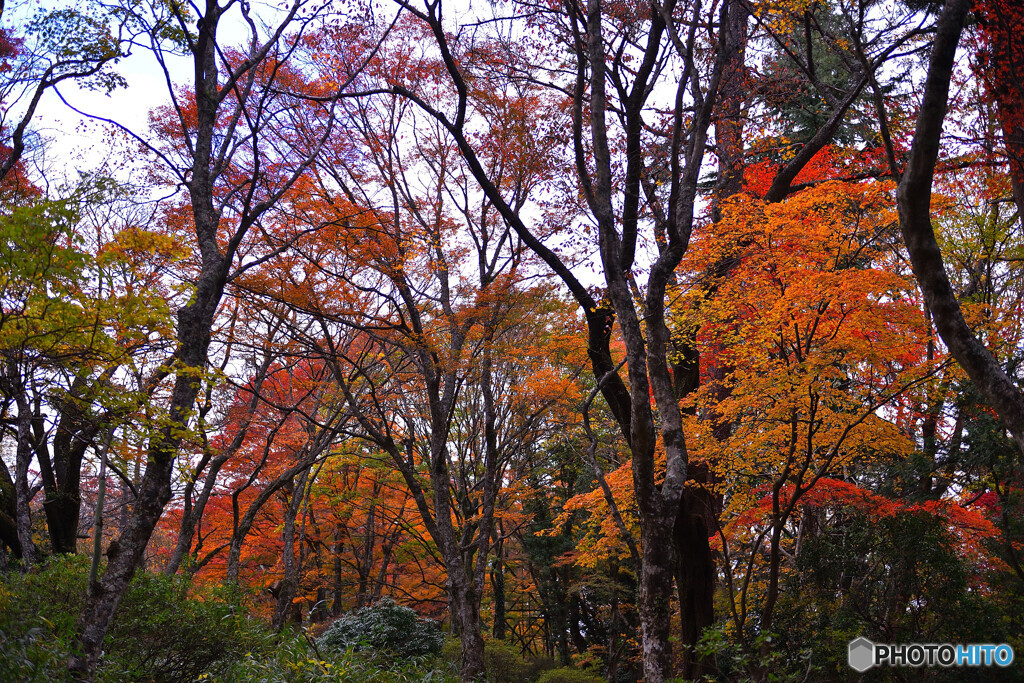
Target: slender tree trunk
191, 515
464, 602
244, 526
216, 247
290, 582
365, 558
498, 594
774, 567
97, 523
338, 592
22, 490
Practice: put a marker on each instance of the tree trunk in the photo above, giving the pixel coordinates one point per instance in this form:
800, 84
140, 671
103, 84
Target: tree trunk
290, 582
338, 591
695, 580
22, 491
498, 594
75, 433
645, 332
655, 600
466, 613
244, 526
463, 600
1003, 74
211, 148
8, 511
365, 558
191, 515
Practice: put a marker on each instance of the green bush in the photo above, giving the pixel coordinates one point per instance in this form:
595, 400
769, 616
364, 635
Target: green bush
39, 611
385, 627
537, 665
503, 662
162, 633
163, 630
567, 674
31, 656
294, 658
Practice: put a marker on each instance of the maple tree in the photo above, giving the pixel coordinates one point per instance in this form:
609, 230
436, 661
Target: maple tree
421, 335
669, 212
830, 335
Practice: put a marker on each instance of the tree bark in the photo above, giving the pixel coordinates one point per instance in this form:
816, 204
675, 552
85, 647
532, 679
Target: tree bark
8, 511
75, 433
498, 593
464, 601
22, 491
695, 579
290, 581
655, 599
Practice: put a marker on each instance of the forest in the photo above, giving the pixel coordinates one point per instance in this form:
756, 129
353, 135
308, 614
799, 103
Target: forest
522, 340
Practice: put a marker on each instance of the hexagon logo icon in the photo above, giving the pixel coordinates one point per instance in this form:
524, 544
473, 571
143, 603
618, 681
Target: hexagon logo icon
862, 654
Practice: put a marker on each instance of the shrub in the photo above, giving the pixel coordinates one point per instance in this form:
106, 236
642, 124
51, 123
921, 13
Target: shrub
31, 656
38, 614
537, 665
503, 662
567, 674
163, 631
386, 627
293, 657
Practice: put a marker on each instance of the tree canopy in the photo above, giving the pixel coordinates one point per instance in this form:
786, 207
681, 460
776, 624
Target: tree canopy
638, 341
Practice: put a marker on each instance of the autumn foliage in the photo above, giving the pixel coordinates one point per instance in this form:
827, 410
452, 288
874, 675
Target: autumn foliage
596, 335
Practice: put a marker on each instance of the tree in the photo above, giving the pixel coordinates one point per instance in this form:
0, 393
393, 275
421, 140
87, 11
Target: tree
58, 46
914, 202
80, 314
431, 343
819, 334
1004, 81
216, 142
647, 354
